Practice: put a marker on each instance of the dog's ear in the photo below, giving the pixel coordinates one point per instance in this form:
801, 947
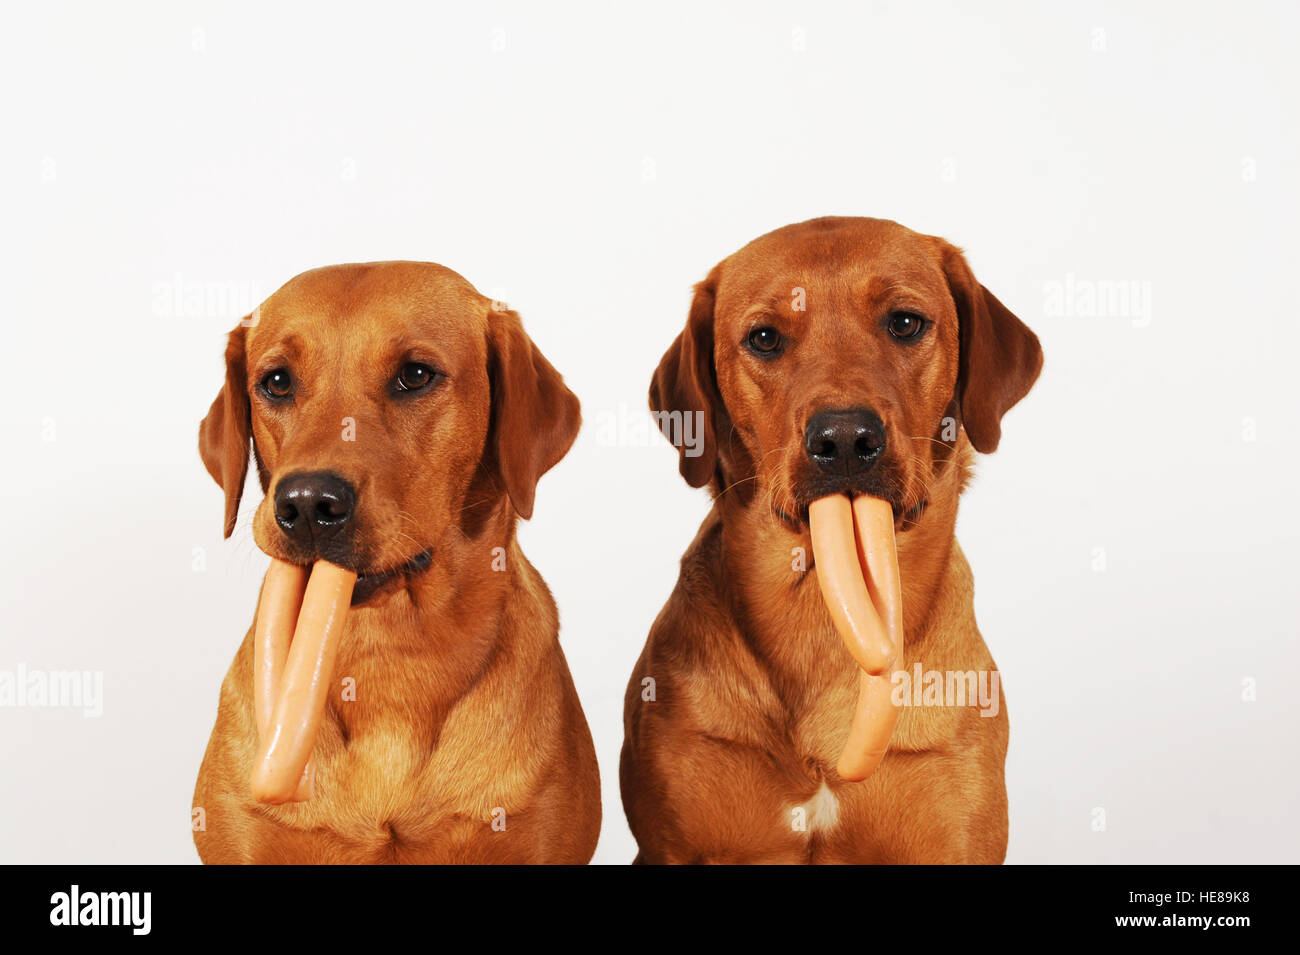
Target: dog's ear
1000, 357
535, 417
225, 434
684, 394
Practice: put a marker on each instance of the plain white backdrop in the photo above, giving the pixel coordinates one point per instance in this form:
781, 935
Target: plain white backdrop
1125, 180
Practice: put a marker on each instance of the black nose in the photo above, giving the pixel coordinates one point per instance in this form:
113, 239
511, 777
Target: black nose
845, 442
313, 506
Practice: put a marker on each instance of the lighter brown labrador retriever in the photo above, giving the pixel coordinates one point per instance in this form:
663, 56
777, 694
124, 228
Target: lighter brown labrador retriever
400, 423
835, 356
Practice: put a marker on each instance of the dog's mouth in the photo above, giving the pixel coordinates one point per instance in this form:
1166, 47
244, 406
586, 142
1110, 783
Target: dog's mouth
802, 494
371, 582
904, 518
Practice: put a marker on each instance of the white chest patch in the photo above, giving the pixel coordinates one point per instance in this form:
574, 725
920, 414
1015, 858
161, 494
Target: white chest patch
821, 813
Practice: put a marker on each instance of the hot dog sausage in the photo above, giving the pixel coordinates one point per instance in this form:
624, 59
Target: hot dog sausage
277, 614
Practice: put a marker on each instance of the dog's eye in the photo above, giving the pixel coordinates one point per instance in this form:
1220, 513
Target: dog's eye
278, 383
414, 376
765, 340
905, 325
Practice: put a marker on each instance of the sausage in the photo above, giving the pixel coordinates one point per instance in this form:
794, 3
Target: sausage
873, 724
857, 569
876, 713
308, 670
873, 521
277, 613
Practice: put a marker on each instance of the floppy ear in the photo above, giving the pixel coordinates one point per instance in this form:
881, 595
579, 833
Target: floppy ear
685, 384
1000, 357
225, 434
535, 417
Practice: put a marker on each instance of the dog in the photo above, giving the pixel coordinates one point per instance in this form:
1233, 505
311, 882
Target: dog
402, 421
806, 342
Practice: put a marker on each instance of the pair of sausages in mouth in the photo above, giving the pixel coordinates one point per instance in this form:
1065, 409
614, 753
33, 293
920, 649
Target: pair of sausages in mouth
857, 569
300, 618
302, 613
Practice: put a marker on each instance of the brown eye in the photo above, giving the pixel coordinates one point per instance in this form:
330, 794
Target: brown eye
905, 325
765, 340
414, 376
278, 384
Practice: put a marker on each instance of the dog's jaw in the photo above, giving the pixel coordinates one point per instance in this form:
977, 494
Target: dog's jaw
370, 584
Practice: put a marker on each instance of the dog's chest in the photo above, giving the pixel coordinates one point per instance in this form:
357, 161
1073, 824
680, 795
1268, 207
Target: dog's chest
820, 814
379, 774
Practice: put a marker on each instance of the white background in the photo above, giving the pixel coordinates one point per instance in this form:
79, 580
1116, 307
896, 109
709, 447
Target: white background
588, 166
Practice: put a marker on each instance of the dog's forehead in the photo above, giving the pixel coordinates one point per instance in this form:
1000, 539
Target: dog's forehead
417, 297
852, 254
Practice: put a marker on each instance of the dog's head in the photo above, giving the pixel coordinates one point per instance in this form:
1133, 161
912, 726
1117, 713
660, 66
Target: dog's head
839, 355
384, 403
